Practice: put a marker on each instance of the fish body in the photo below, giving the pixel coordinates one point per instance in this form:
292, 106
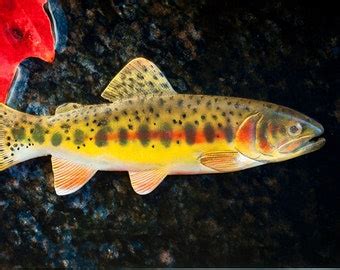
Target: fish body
151, 131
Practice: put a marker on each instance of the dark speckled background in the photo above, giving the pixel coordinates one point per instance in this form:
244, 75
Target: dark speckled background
284, 214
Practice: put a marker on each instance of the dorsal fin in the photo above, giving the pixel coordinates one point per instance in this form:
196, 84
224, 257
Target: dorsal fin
138, 77
67, 107
69, 176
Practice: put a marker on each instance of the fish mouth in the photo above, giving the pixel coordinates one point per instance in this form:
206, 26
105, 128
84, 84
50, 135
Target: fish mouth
303, 145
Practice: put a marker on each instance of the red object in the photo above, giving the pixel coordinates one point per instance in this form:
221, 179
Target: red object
25, 31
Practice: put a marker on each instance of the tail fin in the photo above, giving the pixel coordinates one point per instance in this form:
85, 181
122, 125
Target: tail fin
12, 136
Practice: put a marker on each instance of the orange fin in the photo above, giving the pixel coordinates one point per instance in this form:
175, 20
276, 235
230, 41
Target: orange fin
225, 161
69, 176
143, 182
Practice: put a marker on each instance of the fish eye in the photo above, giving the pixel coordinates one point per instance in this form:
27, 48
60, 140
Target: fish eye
295, 130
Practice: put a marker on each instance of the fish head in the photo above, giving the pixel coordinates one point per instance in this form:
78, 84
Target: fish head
278, 133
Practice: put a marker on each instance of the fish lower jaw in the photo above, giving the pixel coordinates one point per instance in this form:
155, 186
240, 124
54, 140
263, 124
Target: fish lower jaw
309, 146
314, 144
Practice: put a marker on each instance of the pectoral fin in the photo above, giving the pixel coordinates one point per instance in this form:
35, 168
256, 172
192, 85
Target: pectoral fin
143, 182
69, 176
225, 161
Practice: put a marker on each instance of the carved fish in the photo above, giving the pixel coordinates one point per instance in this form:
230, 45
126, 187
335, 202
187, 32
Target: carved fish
151, 131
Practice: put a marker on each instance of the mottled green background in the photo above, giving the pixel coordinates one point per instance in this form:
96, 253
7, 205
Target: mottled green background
284, 214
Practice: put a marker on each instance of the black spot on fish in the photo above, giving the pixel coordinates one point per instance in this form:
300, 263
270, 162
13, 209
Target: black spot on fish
65, 126
102, 122
140, 76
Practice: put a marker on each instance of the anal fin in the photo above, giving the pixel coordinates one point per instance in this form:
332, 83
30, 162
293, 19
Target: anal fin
144, 182
227, 161
70, 176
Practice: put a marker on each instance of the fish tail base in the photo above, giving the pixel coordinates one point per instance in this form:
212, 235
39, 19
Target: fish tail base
11, 137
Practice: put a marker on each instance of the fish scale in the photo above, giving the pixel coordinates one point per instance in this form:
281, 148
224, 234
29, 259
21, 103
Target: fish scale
151, 131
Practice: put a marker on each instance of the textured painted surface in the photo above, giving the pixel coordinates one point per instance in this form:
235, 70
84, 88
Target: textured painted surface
284, 214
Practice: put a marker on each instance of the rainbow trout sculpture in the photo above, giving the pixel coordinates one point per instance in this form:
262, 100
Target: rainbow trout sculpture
151, 131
